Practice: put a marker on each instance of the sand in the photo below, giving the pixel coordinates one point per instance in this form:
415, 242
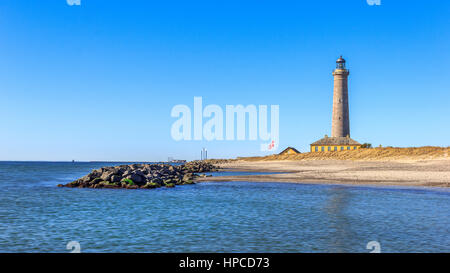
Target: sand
429, 173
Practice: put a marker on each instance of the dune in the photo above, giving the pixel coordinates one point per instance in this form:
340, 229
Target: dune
419, 166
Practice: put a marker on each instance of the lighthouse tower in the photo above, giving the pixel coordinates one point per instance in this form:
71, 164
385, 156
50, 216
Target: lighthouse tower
340, 125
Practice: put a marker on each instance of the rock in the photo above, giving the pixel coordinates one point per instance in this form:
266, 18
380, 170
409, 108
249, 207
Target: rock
144, 176
153, 185
178, 181
95, 174
72, 184
96, 180
86, 178
138, 172
136, 178
187, 177
168, 181
148, 176
156, 180
106, 176
115, 178
134, 166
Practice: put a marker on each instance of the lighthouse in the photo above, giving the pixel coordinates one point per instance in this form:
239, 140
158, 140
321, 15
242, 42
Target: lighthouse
340, 123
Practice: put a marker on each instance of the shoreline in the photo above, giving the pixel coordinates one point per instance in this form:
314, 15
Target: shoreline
424, 173
349, 185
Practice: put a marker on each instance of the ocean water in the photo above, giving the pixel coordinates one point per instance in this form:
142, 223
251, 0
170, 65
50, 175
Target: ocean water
37, 216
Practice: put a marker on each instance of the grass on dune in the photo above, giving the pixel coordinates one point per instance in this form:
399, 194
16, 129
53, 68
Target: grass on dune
388, 153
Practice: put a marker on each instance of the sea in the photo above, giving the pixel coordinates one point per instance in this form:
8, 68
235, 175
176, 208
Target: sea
38, 216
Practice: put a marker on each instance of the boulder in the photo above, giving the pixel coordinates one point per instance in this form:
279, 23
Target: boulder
86, 178
116, 178
136, 178
187, 177
106, 176
96, 180
138, 172
145, 176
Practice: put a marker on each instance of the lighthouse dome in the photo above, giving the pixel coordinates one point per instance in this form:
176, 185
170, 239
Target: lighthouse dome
340, 60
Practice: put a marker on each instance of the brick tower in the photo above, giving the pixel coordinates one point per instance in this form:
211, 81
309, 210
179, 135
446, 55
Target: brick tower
340, 125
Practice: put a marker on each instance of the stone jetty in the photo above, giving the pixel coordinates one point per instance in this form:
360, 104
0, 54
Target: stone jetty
142, 176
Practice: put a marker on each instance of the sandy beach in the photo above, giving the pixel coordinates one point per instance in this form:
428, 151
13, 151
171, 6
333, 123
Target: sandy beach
430, 173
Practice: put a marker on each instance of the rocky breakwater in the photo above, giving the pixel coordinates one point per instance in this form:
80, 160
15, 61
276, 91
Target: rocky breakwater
142, 176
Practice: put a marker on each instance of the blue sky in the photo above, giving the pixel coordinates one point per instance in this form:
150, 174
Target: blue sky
98, 81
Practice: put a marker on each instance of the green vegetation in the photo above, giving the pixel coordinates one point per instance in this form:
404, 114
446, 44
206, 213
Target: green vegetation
151, 185
169, 185
366, 146
109, 183
96, 180
128, 181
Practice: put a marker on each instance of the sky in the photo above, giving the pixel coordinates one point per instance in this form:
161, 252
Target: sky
98, 81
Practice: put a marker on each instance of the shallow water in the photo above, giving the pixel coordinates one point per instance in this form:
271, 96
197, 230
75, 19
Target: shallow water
37, 216
239, 173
